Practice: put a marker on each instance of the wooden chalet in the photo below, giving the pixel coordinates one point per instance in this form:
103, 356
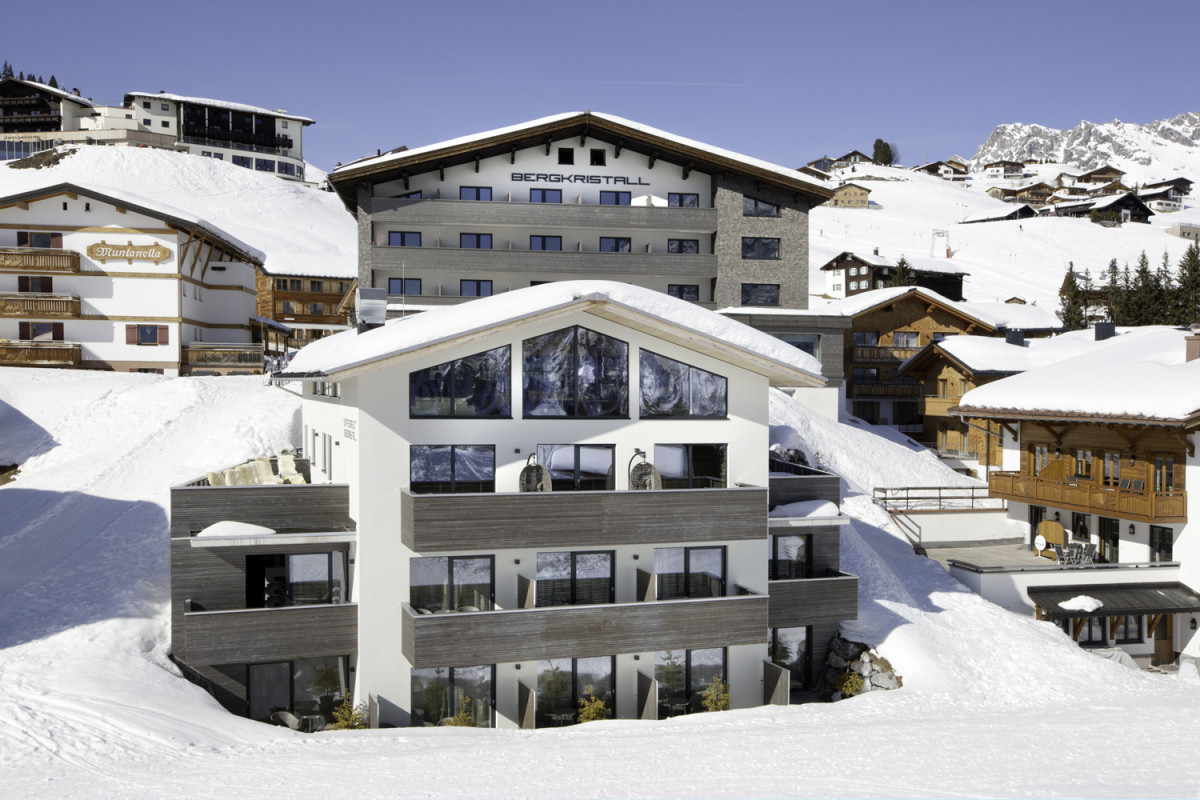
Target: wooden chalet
1104, 174
1127, 206
872, 271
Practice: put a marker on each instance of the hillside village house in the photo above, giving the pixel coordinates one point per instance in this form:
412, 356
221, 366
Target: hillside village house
851, 195
312, 304
848, 274
98, 280
1102, 477
1023, 211
946, 170
1004, 170
1127, 207
30, 110
574, 496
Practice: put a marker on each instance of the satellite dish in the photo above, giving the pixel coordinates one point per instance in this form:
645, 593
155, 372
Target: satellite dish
1039, 543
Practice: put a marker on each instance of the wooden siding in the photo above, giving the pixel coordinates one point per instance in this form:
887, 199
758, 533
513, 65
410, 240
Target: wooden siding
432, 523
826, 548
492, 637
1165, 508
319, 507
271, 634
23, 259
798, 488
34, 304
40, 352
777, 683
807, 600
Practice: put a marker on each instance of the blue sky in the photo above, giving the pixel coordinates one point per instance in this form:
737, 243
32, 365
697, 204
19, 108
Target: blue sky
783, 81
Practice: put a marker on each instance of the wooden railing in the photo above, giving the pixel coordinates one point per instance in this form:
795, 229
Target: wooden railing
31, 304
39, 259
1088, 498
882, 353
29, 353
223, 354
913, 390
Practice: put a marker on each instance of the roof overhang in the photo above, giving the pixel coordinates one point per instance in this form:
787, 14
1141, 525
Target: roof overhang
916, 293
1117, 600
1019, 415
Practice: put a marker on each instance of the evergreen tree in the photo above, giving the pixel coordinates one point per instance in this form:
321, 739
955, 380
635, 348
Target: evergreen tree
903, 275
20, 76
1141, 294
53, 82
6, 71
1115, 295
1164, 286
882, 153
1072, 302
1187, 293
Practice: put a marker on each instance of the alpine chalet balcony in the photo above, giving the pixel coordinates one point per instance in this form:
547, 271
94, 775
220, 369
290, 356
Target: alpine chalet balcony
803, 601
270, 634
909, 389
36, 259
1088, 498
39, 305
883, 353
389, 261
568, 214
40, 353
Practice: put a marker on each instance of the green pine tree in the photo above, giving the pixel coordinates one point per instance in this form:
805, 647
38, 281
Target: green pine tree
1072, 303
1114, 294
53, 82
882, 154
6, 71
1187, 290
1142, 293
715, 696
903, 275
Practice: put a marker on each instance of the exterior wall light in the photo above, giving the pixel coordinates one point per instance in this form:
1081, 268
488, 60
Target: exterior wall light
1131, 529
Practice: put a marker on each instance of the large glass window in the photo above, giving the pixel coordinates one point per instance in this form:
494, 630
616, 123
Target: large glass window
576, 372
1128, 629
451, 583
474, 193
687, 247
808, 342
671, 388
443, 692
760, 247
276, 580
760, 294
545, 195
683, 200
475, 386
791, 649
791, 557
404, 286
404, 238
904, 339
615, 244
1112, 469
752, 207
452, 468
578, 467
1161, 543
563, 682
615, 198
545, 243
1164, 474
691, 466
1110, 541
689, 572
303, 686
475, 241
568, 579
866, 338
684, 291
682, 676
474, 288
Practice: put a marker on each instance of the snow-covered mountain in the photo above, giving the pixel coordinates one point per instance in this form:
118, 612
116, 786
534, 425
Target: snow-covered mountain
1160, 149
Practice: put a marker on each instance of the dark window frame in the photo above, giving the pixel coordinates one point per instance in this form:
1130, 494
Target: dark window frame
257, 591
543, 240
753, 207
598, 157
805, 659
679, 290
450, 486
576, 478
527, 372
1162, 543
777, 569
615, 198
566, 155
687, 573
477, 191
463, 241
577, 691
690, 367
683, 199
450, 689
761, 248
454, 377
545, 195
450, 584
465, 283
404, 239
615, 243
683, 247
752, 286
574, 577
1121, 633
405, 285
688, 677
692, 480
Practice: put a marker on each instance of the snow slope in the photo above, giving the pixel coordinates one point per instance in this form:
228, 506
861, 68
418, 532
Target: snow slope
993, 705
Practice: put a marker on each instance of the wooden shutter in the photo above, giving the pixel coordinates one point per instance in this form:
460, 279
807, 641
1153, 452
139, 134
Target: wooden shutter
57, 331
23, 283
163, 335
131, 334
22, 238
56, 240
47, 283
23, 330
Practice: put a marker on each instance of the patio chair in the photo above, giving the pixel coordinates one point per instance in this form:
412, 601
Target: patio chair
286, 719
215, 478
1059, 556
1088, 555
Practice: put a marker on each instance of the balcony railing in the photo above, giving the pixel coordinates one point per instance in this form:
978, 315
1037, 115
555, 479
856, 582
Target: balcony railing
270, 634
224, 354
35, 304
30, 259
549, 262
884, 353
803, 601
802, 483
540, 216
1088, 498
940, 406
530, 634
37, 353
892, 389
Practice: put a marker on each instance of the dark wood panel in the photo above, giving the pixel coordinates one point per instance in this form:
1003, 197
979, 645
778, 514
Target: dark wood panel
797, 488
491, 637
826, 546
776, 684
822, 634
319, 507
805, 601
271, 634
472, 522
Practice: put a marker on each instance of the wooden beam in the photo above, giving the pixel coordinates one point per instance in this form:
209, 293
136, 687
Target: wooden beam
405, 176
547, 147
1011, 431
583, 135
1114, 623
207, 259
1077, 628
1037, 611
183, 251
477, 162
512, 155
1152, 623
653, 158
687, 169
441, 171
23, 205
121, 210
196, 256
617, 149
72, 196
1185, 440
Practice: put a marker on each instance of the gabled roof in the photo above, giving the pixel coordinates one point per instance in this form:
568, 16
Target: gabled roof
206, 101
858, 153
1099, 204
604, 127
1102, 168
989, 316
987, 355
933, 165
1003, 163
1169, 182
1023, 211
855, 185
41, 87
348, 354
934, 266
172, 216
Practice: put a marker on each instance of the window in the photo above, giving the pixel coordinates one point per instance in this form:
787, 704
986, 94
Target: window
1041, 457
569, 579
474, 386
563, 682
1110, 541
1093, 633
615, 244
545, 195
758, 208
295, 284
684, 291
1083, 464
219, 156
671, 388
760, 294
404, 239
691, 466
545, 243
908, 412
281, 284
443, 692
264, 165
1112, 469
146, 122
597, 157
39, 240
683, 200
475, 241
302, 686
854, 271
316, 286
837, 287
790, 557
146, 104
760, 247
474, 288
1164, 472
866, 410
688, 247
452, 583
868, 375
578, 467
35, 283
689, 572
1128, 629
287, 169
853, 286
327, 389
1161, 543
276, 580
166, 107
41, 331
452, 469
286, 307
682, 675
474, 193
566, 155
575, 372
790, 649
614, 198
808, 342
404, 285
904, 339
146, 334
1080, 526
166, 124
243, 161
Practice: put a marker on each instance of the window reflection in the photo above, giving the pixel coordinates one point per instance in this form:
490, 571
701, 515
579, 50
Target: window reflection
578, 467
670, 388
449, 469
563, 682
474, 386
566, 578
691, 466
682, 676
689, 572
451, 583
576, 372
440, 693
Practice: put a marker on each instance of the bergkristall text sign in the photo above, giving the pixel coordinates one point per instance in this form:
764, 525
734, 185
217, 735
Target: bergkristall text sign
129, 252
555, 177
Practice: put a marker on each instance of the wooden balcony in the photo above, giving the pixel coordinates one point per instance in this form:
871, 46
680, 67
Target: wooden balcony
36, 304
940, 406
40, 353
271, 634
883, 353
803, 601
32, 259
1088, 498
895, 389
530, 634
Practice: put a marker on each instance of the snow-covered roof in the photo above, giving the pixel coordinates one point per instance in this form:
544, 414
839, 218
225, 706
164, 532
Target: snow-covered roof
998, 214
994, 315
728, 339
64, 95
987, 354
1145, 377
1100, 203
417, 153
208, 101
919, 264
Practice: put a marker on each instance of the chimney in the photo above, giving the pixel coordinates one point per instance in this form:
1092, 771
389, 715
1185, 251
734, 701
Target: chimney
876, 251
1015, 337
1192, 343
371, 305
1105, 330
